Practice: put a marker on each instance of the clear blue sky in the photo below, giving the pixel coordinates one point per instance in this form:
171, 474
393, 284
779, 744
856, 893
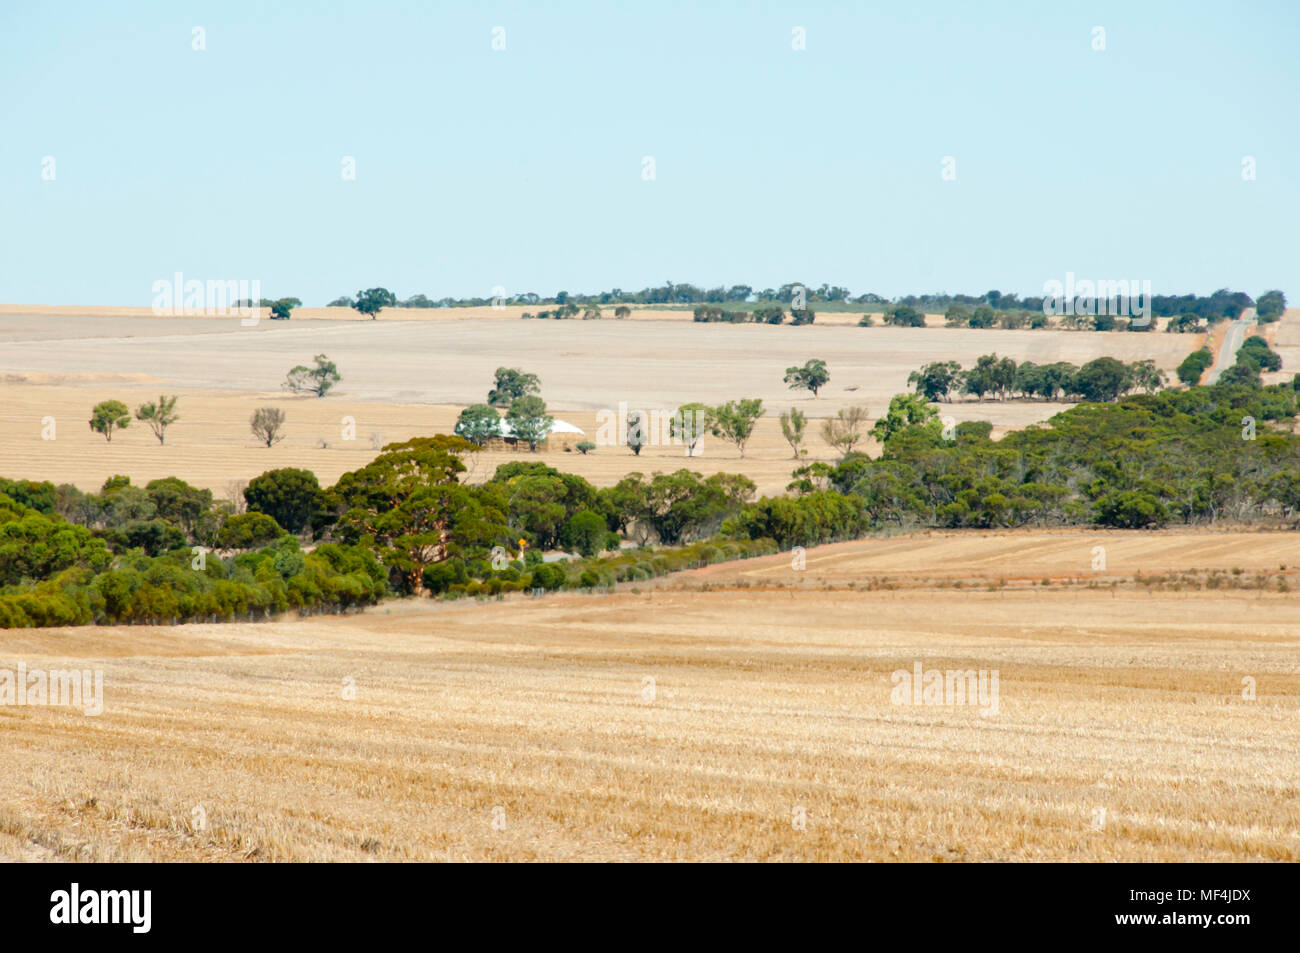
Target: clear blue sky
523, 168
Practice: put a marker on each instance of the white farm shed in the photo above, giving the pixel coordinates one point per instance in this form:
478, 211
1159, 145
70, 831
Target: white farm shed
562, 436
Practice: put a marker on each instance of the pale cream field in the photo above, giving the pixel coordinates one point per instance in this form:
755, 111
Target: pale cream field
408, 377
531, 730
1284, 337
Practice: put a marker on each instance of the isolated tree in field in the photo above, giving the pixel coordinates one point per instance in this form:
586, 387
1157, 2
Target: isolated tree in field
1270, 306
905, 410
529, 421
289, 496
904, 316
109, 415
511, 384
622, 311
266, 423
812, 376
374, 300
282, 308
478, 423
792, 428
313, 380
844, 430
636, 432
936, 381
734, 421
1185, 323
158, 416
690, 424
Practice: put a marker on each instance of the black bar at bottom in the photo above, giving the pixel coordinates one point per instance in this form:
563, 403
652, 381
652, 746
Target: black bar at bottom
946, 903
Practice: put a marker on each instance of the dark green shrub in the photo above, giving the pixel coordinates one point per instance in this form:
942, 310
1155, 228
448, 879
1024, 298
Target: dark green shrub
289, 496
248, 530
548, 576
584, 533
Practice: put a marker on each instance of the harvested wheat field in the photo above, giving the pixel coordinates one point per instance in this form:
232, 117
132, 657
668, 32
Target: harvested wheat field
1284, 337
738, 712
410, 377
583, 365
211, 447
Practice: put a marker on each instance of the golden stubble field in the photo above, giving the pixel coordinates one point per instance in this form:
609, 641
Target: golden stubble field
531, 730
410, 373
211, 446
1122, 732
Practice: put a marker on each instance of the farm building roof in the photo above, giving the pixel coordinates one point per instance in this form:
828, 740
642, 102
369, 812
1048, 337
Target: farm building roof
559, 426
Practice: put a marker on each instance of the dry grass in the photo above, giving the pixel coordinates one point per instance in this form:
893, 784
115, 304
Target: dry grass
772, 686
1284, 337
582, 365
766, 700
412, 376
211, 446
